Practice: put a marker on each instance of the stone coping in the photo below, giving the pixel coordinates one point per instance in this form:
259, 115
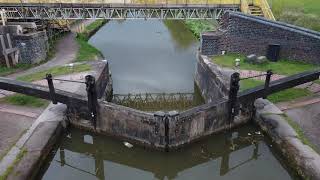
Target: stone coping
282, 25
37, 141
302, 158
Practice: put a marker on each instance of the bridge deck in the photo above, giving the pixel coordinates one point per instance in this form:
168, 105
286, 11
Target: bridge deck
99, 2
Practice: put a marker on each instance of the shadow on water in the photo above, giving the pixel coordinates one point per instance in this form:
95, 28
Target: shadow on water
82, 155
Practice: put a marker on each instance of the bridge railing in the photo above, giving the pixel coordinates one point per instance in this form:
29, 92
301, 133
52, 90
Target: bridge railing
199, 2
264, 5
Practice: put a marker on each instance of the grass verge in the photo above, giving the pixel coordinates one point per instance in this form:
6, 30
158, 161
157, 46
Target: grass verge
283, 67
199, 26
305, 13
55, 71
4, 71
5, 175
24, 100
301, 134
87, 52
282, 96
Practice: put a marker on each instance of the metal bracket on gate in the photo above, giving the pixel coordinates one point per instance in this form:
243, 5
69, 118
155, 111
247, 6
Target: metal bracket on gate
92, 99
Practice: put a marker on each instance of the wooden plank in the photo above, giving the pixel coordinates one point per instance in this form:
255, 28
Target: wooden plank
41, 92
279, 85
4, 51
10, 47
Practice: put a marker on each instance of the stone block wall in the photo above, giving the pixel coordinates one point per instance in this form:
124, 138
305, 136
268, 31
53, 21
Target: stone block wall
33, 46
212, 80
245, 34
138, 126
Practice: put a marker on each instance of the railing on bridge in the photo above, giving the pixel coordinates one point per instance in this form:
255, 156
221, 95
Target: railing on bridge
264, 5
184, 2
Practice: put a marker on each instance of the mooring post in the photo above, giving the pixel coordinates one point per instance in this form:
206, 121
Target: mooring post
51, 88
92, 99
233, 96
267, 83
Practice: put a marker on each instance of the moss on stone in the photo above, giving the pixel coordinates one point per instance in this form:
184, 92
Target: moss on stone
9, 170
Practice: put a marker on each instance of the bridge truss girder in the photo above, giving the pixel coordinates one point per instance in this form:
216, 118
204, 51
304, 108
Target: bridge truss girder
126, 12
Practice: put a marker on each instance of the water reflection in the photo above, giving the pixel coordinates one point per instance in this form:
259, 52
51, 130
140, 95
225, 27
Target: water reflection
83, 155
181, 36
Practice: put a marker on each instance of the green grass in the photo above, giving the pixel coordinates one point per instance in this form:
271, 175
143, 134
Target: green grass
4, 71
282, 96
300, 133
24, 100
56, 71
21, 154
199, 26
305, 13
87, 52
283, 67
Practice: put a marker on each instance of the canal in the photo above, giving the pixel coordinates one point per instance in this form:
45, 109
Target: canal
148, 56
155, 56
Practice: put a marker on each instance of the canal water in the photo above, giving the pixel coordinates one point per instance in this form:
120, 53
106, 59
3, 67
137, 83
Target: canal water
155, 56
148, 56
246, 156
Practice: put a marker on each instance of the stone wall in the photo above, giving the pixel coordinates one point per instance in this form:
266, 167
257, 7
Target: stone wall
138, 126
33, 46
245, 34
302, 158
213, 81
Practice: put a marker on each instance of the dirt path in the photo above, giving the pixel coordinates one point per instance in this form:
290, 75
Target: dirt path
66, 51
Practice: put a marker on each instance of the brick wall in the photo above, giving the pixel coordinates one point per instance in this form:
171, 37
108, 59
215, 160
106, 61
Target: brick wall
247, 34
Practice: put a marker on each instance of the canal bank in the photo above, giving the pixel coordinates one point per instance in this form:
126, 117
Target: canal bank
48, 125
83, 160
86, 159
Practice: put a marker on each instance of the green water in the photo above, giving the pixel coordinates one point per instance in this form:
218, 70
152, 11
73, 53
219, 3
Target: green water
82, 155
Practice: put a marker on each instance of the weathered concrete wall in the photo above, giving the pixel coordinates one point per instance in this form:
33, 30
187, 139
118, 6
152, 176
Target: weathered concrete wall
142, 127
245, 34
196, 123
302, 158
213, 81
33, 46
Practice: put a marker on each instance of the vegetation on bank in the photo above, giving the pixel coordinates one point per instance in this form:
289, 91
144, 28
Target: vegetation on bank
305, 13
86, 51
301, 135
282, 96
283, 67
21, 154
24, 100
199, 26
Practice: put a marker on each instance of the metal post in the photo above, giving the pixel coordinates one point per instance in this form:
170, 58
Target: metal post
92, 99
267, 83
51, 88
233, 96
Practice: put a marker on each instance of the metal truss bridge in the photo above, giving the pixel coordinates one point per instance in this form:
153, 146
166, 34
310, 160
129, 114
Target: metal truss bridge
130, 10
